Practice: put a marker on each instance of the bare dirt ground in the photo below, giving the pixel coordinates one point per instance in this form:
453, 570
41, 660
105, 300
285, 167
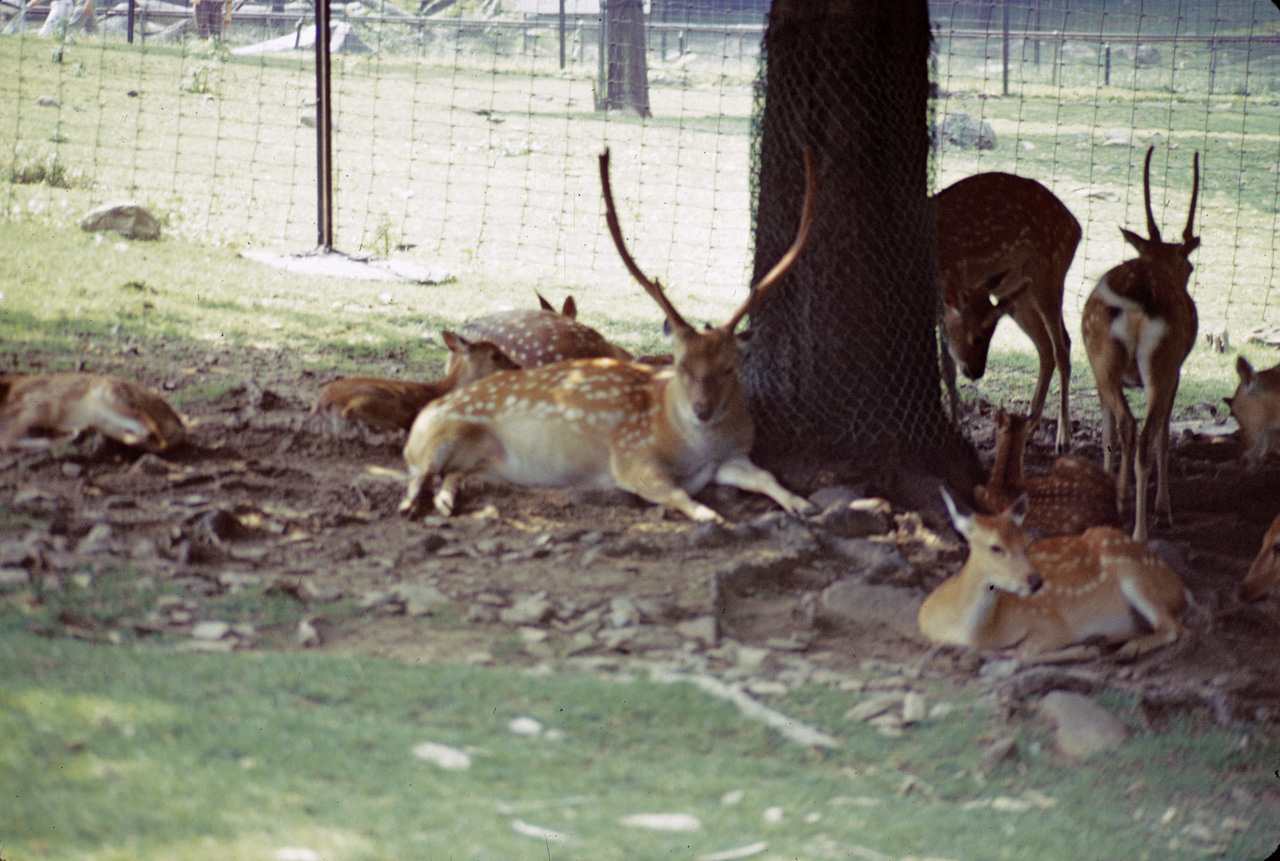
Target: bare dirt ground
268, 499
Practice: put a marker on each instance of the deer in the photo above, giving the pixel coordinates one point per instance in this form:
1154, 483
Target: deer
1139, 325
1044, 599
392, 405
532, 338
1007, 237
660, 433
35, 410
1076, 495
1264, 573
1256, 408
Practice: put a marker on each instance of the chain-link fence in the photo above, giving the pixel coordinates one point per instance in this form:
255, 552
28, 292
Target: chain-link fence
466, 132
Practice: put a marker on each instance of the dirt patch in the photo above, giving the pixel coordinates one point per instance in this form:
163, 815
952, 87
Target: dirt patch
269, 500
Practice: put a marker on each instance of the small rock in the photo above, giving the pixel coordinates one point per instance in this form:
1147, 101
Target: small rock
525, 726
420, 599
210, 630
732, 797
1005, 747
448, 758
1083, 727
307, 634
873, 707
127, 218
662, 821
296, 853
772, 815
711, 535
96, 540
529, 610
623, 612
47, 102
701, 629
913, 708
14, 578
767, 688
857, 518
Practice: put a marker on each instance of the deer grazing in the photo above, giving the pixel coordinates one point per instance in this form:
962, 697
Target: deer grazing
1139, 325
1076, 495
394, 404
1009, 237
659, 433
37, 409
1047, 596
1256, 407
1264, 573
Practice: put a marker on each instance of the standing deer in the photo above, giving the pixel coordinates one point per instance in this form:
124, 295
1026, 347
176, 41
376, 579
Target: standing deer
1256, 407
1045, 596
1009, 237
1139, 325
1076, 495
34, 409
659, 433
394, 404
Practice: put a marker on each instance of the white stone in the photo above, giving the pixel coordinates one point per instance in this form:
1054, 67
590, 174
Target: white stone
448, 758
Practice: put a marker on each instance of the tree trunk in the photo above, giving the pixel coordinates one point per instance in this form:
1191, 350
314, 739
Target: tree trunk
624, 72
843, 367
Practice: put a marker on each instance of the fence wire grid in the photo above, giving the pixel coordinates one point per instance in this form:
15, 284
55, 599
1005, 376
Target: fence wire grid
466, 133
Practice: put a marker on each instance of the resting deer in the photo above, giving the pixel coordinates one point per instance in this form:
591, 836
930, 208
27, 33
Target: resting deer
35, 409
1139, 325
1256, 407
1076, 495
533, 338
1045, 596
394, 404
1009, 237
1264, 573
659, 433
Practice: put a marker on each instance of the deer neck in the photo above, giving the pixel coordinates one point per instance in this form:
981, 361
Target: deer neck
962, 608
1006, 471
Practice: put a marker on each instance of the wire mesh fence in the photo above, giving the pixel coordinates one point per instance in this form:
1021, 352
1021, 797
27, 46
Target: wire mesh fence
466, 132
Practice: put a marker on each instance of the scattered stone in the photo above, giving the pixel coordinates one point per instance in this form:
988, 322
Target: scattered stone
857, 518
448, 758
767, 688
1118, 137
702, 630
420, 599
732, 797
47, 102
307, 634
1083, 727
210, 630
733, 854
965, 132
623, 612
96, 541
14, 578
296, 853
1005, 747
772, 815
662, 821
546, 834
530, 610
711, 535
525, 726
127, 218
913, 708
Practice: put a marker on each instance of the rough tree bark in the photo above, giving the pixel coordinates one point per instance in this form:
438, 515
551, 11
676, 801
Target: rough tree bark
842, 371
624, 72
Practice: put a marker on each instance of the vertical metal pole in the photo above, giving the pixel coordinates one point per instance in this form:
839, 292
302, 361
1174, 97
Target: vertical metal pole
1107, 75
324, 137
133, 5
562, 31
1037, 26
1006, 46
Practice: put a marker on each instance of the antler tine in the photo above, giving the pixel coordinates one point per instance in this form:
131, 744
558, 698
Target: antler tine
1188, 234
651, 286
802, 238
1153, 232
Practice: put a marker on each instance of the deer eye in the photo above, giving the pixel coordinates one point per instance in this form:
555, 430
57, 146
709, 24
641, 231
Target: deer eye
997, 550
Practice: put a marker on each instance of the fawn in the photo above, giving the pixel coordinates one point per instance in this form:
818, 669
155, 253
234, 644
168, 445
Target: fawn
34, 409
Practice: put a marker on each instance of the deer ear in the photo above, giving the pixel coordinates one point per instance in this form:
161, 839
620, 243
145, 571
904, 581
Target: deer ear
1135, 240
570, 308
1244, 369
1018, 509
455, 343
962, 522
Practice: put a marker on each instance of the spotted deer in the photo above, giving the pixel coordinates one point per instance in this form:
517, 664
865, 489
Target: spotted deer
1076, 495
1010, 238
37, 409
394, 404
1045, 597
1256, 408
539, 337
1139, 324
1264, 574
661, 433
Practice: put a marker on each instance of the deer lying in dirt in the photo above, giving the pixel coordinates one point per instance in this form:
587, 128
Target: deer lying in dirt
659, 433
394, 404
1076, 495
1046, 596
34, 410
1256, 406
1264, 573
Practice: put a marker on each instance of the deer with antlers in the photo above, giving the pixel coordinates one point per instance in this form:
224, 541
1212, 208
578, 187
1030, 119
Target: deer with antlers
1139, 325
661, 433
1010, 238
1045, 597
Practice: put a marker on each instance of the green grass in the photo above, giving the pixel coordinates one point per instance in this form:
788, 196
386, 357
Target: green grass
115, 753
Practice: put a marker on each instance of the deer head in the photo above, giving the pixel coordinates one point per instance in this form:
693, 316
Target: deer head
1170, 257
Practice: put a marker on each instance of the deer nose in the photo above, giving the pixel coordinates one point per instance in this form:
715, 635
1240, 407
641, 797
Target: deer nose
1034, 582
702, 410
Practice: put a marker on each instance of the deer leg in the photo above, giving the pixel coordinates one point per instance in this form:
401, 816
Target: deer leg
651, 483
740, 472
1154, 442
1062, 358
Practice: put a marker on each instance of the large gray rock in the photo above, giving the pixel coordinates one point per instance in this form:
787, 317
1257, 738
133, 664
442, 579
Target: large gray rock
1083, 727
966, 132
126, 217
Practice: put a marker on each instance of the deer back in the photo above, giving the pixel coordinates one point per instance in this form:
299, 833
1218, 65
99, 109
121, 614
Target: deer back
539, 337
65, 404
1007, 237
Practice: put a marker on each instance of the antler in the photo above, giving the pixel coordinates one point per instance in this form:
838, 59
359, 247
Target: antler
802, 238
1187, 236
651, 286
1153, 232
